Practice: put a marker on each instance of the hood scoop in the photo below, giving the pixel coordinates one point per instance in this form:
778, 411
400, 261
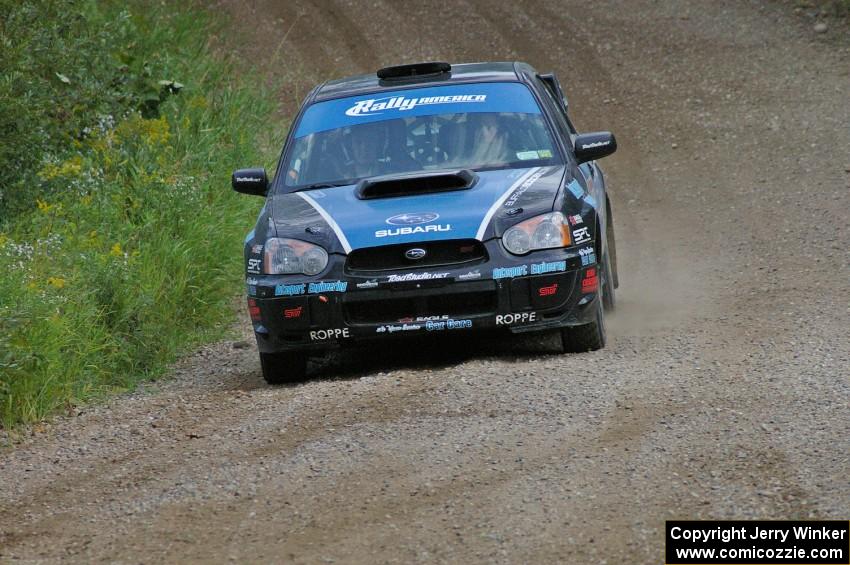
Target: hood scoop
414, 184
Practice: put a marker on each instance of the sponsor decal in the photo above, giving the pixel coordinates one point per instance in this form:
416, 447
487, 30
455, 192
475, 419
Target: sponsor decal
293, 312
416, 277
547, 290
251, 280
254, 266
257, 248
424, 319
518, 318
576, 219
590, 282
588, 256
249, 179
375, 106
596, 144
334, 333
414, 230
390, 328
448, 325
469, 276
412, 219
289, 289
368, 284
482, 227
507, 272
581, 235
512, 199
327, 286
574, 187
548, 267
252, 290
415, 254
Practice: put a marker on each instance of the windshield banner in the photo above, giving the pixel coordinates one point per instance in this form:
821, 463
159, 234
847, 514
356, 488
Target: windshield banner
378, 106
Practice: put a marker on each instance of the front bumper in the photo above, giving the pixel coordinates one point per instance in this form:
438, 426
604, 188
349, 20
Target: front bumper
544, 290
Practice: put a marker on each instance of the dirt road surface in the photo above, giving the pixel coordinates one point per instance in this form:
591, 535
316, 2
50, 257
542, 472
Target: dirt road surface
724, 391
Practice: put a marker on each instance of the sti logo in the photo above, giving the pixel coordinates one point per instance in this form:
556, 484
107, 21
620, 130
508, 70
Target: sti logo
547, 290
293, 312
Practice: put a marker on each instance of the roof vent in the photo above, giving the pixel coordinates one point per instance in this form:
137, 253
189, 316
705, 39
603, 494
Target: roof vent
414, 71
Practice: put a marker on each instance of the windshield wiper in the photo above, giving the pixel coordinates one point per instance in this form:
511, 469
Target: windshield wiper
319, 185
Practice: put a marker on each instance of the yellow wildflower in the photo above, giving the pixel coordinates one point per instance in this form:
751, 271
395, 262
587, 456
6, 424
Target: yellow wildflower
158, 131
151, 132
3, 239
42, 205
116, 250
56, 282
102, 141
198, 101
72, 167
32, 285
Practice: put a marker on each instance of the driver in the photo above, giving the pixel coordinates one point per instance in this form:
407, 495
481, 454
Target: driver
368, 149
490, 140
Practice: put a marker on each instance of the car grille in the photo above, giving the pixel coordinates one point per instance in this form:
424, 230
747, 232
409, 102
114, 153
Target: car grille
437, 254
462, 301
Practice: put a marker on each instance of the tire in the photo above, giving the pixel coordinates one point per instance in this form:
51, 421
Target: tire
587, 337
609, 298
612, 246
283, 368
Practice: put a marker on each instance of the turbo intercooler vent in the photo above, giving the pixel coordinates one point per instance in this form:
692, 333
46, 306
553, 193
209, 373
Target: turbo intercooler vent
390, 186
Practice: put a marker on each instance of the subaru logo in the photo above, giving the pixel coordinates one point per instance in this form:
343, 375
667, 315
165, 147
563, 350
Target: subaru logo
412, 219
415, 253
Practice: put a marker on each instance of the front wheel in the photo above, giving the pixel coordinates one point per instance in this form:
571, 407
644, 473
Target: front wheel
608, 284
283, 368
587, 337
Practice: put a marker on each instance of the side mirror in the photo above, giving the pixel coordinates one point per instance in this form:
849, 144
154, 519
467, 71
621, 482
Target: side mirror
250, 181
591, 146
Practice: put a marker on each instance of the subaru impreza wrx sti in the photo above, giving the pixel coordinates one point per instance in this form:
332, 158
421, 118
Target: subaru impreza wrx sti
430, 199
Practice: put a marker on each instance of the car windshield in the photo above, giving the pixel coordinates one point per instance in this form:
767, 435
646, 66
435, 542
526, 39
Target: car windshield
473, 126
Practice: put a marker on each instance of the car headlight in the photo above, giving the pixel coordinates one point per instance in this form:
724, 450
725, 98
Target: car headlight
293, 256
540, 232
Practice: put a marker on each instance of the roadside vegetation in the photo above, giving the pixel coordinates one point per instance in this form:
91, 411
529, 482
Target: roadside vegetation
120, 239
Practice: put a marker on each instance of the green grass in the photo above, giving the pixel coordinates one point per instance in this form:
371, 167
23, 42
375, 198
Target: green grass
120, 239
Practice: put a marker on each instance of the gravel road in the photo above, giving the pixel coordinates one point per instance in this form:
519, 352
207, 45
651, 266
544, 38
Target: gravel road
724, 391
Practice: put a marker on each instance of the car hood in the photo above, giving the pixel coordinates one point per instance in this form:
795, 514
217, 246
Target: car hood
461, 214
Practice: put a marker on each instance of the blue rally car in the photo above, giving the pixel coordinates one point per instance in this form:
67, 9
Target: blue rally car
430, 199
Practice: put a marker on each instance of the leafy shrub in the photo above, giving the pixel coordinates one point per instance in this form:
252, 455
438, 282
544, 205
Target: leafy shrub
120, 241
